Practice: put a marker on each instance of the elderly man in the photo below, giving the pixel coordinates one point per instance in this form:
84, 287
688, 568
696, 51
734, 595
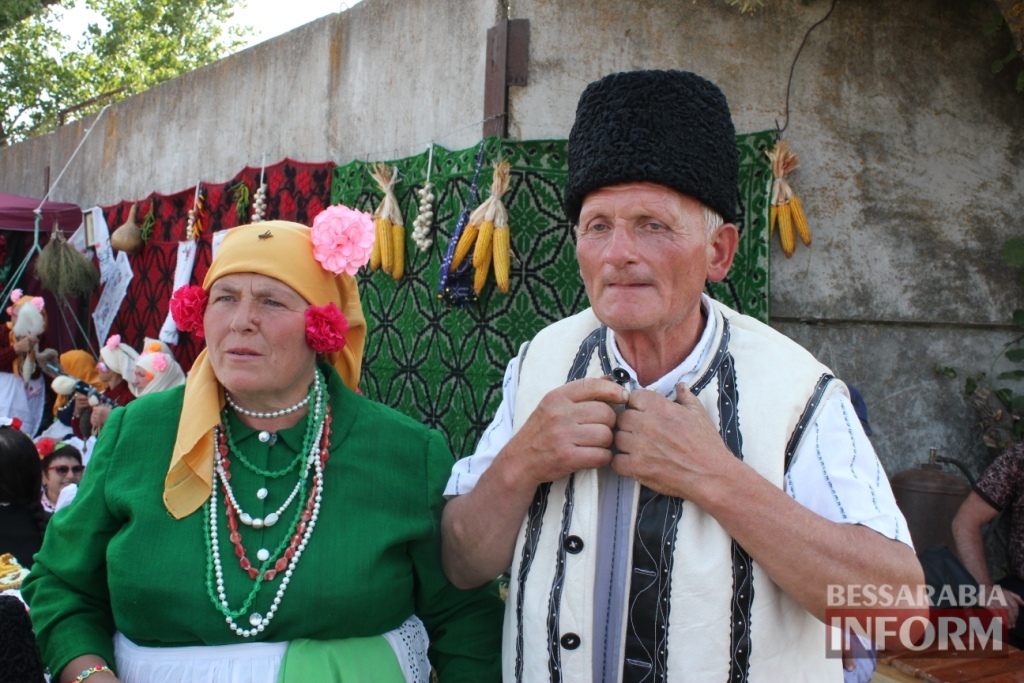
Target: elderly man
691, 535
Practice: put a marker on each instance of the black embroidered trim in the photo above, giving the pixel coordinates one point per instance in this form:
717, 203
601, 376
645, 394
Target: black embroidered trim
742, 564
805, 417
578, 370
534, 520
720, 352
555, 599
742, 601
646, 654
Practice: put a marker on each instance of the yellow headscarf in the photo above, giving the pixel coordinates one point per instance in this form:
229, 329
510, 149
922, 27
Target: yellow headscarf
80, 365
284, 251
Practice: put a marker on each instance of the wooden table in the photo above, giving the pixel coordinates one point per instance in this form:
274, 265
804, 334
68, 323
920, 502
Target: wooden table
908, 668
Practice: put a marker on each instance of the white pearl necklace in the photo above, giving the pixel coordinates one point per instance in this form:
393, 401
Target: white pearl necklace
256, 620
271, 519
264, 416
243, 516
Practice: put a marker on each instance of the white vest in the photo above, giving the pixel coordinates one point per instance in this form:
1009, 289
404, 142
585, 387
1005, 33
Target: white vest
698, 608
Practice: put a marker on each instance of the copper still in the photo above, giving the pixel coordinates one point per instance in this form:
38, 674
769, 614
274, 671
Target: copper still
929, 497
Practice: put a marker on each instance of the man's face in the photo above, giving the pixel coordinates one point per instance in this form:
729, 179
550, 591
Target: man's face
644, 255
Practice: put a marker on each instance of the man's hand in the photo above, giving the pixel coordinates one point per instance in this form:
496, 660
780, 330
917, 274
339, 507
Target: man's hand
668, 446
570, 430
1011, 601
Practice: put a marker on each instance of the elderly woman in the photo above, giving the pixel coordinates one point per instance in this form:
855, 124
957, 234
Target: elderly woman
157, 371
292, 532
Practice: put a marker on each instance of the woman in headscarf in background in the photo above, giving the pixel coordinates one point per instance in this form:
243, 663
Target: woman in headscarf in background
156, 371
271, 443
22, 386
74, 408
116, 369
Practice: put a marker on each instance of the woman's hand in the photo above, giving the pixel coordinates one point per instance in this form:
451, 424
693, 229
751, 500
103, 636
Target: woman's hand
79, 664
25, 344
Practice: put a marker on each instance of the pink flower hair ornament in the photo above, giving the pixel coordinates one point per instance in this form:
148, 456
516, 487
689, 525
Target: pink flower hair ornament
342, 239
159, 362
188, 306
16, 295
113, 341
325, 328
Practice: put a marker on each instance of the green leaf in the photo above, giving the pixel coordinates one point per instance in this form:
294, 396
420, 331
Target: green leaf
1012, 374
1015, 355
1012, 251
970, 385
1016, 401
945, 371
1005, 395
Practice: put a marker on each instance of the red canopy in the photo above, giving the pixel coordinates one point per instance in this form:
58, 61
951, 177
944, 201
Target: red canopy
18, 213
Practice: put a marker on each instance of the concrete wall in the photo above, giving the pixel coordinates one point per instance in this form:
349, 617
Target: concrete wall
912, 153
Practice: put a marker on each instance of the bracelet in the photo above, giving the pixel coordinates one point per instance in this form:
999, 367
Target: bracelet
90, 671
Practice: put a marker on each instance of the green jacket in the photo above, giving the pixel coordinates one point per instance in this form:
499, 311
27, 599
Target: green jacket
115, 558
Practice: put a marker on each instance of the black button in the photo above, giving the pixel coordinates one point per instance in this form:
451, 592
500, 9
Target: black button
573, 544
570, 641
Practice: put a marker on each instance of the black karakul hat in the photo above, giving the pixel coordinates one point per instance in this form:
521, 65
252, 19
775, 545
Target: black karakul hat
672, 128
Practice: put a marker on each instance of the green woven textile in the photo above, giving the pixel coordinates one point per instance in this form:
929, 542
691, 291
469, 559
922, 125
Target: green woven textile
443, 364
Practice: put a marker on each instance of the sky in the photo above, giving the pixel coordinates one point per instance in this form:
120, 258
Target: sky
269, 18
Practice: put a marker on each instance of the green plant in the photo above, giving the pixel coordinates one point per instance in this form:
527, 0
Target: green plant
1000, 407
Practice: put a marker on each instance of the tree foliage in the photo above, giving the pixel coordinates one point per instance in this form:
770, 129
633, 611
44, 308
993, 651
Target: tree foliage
47, 79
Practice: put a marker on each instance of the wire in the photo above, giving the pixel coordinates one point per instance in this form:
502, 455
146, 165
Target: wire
792, 67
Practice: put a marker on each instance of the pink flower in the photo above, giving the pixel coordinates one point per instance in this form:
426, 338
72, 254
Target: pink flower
38, 302
325, 328
188, 305
159, 362
342, 239
16, 295
114, 341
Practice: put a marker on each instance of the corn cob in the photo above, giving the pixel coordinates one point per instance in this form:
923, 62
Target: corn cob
482, 252
786, 234
465, 243
800, 220
375, 253
387, 253
398, 239
773, 217
502, 256
480, 276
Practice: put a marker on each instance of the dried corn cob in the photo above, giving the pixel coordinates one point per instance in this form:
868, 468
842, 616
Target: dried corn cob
502, 257
465, 243
482, 252
398, 242
786, 210
480, 277
387, 252
375, 253
786, 234
800, 220
386, 219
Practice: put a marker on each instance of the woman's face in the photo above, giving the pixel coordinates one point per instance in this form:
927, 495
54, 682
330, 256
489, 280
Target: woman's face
256, 339
142, 379
63, 470
106, 374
